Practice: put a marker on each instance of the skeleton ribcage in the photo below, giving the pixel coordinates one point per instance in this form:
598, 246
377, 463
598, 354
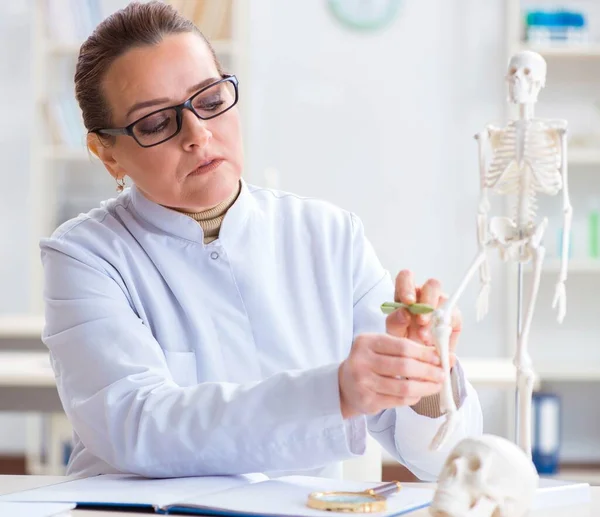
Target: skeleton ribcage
535, 171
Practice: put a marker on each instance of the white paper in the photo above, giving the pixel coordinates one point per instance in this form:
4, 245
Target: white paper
131, 490
35, 509
288, 496
553, 493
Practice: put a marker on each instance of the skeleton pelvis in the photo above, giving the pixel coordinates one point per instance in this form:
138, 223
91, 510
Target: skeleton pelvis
503, 229
510, 239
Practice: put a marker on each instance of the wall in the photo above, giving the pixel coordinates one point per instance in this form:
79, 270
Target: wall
15, 90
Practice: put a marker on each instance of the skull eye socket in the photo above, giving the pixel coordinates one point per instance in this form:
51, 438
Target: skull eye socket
527, 71
474, 464
451, 466
512, 71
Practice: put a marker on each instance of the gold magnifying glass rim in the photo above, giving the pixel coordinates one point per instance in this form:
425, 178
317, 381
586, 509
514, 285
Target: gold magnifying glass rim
375, 504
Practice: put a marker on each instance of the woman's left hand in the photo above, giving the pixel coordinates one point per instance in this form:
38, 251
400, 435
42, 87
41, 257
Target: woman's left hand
402, 323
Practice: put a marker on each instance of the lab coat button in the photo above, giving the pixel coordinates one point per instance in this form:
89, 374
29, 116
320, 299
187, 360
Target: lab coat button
214, 255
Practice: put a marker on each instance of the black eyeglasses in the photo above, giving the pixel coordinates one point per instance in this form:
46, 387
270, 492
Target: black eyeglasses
163, 124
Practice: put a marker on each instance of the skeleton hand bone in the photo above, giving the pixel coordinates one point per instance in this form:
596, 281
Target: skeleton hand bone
419, 326
560, 300
483, 301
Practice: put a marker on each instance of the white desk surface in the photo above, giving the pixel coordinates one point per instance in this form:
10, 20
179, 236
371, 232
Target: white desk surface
9, 484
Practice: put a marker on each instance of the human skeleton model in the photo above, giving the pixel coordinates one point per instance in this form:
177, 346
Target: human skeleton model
525, 158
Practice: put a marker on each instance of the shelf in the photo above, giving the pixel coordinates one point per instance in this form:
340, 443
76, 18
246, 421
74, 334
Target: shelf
21, 326
63, 153
564, 371
36, 468
590, 50
578, 155
552, 265
493, 372
499, 372
26, 369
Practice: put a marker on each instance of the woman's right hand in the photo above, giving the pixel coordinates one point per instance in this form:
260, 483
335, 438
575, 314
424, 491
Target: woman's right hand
384, 371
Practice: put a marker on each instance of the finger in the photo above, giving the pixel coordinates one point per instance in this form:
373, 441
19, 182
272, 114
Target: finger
413, 330
424, 335
397, 323
405, 287
456, 319
390, 366
456, 324
452, 360
388, 402
401, 347
430, 294
405, 388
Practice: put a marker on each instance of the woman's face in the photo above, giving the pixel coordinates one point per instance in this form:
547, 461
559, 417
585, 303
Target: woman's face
148, 78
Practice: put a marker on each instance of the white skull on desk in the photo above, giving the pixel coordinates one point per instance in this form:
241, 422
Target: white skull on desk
485, 476
526, 77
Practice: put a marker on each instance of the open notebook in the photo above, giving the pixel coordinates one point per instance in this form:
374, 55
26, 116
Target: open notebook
35, 509
232, 496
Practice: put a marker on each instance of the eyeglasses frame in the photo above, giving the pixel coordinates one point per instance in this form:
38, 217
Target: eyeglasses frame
188, 104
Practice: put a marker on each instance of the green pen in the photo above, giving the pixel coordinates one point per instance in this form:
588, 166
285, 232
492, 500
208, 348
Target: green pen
413, 308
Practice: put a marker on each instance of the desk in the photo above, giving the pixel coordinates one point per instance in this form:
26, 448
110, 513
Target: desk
9, 484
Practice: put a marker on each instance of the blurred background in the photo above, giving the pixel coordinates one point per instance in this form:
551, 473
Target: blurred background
370, 104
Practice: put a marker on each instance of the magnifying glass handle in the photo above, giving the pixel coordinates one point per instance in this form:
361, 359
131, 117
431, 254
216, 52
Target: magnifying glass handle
385, 489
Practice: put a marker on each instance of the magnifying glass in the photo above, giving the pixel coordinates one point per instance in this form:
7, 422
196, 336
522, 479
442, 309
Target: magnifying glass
368, 501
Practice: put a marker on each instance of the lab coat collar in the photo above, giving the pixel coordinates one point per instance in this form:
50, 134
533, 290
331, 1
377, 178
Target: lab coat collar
180, 225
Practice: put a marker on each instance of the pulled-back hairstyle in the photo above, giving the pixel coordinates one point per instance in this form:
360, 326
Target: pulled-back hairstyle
136, 25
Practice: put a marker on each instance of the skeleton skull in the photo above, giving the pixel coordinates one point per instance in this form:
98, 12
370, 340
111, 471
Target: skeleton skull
526, 77
485, 476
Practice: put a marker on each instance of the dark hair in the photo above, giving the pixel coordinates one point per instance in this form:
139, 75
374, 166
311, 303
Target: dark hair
136, 25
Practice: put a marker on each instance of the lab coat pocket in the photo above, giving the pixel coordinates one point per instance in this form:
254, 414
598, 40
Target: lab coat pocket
182, 366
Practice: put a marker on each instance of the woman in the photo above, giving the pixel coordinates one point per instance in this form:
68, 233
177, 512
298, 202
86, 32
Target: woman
199, 325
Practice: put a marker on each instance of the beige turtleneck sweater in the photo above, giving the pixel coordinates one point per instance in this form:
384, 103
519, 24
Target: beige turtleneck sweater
210, 220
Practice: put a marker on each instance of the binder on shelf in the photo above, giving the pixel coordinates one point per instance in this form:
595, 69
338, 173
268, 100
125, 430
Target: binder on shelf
545, 440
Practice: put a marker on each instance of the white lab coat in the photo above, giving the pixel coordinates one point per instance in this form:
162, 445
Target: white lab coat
176, 358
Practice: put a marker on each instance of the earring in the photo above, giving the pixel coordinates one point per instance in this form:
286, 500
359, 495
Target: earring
120, 184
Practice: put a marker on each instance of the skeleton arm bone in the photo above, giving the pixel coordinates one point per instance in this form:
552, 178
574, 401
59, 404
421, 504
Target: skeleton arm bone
485, 141
441, 331
560, 297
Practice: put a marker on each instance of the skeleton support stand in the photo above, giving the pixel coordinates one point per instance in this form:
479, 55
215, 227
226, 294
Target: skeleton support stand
519, 392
